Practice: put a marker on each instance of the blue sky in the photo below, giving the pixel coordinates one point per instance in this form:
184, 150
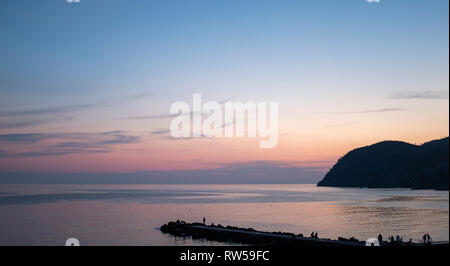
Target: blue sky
103, 48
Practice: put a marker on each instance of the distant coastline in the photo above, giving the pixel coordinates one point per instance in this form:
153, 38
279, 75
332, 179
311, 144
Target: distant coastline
393, 164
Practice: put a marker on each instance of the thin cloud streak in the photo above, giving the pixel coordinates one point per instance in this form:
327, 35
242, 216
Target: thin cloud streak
440, 94
160, 131
149, 117
166, 116
66, 143
382, 110
47, 110
69, 108
27, 122
37, 116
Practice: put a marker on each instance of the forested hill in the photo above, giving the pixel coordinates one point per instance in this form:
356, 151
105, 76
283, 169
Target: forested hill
391, 164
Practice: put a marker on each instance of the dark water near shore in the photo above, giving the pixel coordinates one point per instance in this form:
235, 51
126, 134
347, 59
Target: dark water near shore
131, 214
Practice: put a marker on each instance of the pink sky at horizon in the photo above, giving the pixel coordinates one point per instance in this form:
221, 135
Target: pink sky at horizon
156, 154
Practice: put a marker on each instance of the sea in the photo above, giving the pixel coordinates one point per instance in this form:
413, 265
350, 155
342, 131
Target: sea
132, 214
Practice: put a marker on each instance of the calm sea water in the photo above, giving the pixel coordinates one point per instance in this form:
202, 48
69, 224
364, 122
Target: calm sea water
132, 214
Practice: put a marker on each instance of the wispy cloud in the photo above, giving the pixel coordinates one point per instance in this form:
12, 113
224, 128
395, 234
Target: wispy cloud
47, 110
227, 124
24, 138
382, 110
437, 94
227, 100
39, 144
166, 116
24, 117
160, 131
149, 117
49, 152
27, 122
169, 137
313, 164
67, 108
19, 124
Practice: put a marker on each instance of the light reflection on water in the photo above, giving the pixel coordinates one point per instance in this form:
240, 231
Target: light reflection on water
131, 214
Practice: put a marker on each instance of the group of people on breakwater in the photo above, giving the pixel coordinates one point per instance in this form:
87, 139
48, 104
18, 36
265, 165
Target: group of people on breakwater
391, 240
399, 240
181, 228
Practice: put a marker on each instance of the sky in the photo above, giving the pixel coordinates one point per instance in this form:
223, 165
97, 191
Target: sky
87, 87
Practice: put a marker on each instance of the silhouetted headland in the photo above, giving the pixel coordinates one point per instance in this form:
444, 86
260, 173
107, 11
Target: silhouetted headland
249, 236
393, 164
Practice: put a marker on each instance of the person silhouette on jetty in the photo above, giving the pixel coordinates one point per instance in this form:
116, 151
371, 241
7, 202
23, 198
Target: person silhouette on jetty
314, 235
380, 238
204, 220
391, 239
426, 239
429, 239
